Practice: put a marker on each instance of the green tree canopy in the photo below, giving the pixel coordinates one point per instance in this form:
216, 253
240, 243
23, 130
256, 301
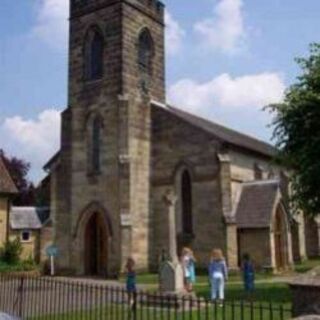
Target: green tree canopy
297, 133
18, 169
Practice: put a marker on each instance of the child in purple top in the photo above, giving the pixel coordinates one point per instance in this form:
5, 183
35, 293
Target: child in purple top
218, 274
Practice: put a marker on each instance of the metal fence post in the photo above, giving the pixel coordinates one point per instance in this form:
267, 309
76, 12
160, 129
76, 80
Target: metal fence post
20, 295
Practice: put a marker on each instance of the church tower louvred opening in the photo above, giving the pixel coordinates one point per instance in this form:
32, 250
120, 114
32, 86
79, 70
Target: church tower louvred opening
93, 54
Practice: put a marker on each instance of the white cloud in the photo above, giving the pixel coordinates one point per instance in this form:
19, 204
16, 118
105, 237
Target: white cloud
174, 34
35, 140
236, 102
52, 22
224, 31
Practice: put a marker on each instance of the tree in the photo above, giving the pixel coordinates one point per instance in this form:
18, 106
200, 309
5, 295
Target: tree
297, 133
18, 170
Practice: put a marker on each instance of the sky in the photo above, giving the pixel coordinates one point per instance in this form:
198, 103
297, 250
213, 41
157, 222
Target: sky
226, 60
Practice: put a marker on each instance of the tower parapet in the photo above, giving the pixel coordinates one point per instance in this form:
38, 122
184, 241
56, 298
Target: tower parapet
154, 8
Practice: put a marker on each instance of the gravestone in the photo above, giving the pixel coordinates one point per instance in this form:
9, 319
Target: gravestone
171, 277
306, 294
171, 272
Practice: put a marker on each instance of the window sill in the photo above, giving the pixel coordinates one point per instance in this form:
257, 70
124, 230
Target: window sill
25, 241
92, 82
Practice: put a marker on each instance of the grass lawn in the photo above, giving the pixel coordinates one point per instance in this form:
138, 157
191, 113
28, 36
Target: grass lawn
307, 265
228, 312
202, 279
266, 290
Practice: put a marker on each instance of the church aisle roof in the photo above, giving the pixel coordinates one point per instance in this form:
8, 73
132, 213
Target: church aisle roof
7, 185
256, 204
28, 217
226, 134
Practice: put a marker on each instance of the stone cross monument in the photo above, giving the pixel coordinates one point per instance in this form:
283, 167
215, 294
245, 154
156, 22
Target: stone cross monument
171, 272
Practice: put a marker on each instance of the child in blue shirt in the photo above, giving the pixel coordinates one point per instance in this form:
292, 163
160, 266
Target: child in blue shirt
248, 274
188, 263
131, 284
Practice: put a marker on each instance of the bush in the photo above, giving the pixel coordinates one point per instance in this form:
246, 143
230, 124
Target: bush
11, 252
28, 264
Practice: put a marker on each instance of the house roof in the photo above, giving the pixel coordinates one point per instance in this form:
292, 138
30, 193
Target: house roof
228, 135
256, 204
28, 217
7, 185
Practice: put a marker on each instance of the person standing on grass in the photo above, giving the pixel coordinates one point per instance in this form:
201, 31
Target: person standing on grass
248, 275
218, 274
131, 281
188, 263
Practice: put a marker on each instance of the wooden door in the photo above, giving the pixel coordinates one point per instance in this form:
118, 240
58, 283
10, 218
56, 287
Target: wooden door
96, 246
280, 243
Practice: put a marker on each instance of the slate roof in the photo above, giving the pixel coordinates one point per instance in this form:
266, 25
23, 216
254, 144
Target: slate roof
7, 185
28, 217
256, 203
225, 134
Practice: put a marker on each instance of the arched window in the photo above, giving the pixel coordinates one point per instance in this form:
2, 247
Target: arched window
96, 145
145, 53
186, 203
258, 172
94, 48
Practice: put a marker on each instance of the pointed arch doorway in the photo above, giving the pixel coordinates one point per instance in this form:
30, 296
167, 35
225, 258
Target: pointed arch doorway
96, 237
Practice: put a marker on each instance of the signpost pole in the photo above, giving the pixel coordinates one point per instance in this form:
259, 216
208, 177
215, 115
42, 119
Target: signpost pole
52, 265
52, 252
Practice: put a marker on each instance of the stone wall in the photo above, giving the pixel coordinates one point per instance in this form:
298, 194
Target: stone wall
176, 144
256, 242
30, 248
312, 235
243, 166
306, 296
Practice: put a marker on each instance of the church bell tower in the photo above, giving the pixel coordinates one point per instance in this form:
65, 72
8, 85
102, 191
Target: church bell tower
116, 67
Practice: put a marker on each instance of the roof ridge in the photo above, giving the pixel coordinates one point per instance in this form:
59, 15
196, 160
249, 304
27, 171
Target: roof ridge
222, 132
220, 125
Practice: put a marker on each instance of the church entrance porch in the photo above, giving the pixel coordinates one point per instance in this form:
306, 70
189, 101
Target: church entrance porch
96, 246
282, 240
93, 251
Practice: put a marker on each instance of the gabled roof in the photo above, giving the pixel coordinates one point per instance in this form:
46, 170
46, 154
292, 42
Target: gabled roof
52, 161
7, 185
223, 133
256, 204
28, 217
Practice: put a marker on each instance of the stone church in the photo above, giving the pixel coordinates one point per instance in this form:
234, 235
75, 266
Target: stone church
123, 147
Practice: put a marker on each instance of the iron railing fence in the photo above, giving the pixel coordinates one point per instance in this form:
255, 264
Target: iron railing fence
38, 298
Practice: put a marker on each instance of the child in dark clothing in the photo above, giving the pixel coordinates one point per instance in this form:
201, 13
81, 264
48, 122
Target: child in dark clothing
248, 274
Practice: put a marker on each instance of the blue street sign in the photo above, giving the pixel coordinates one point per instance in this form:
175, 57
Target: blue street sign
52, 251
